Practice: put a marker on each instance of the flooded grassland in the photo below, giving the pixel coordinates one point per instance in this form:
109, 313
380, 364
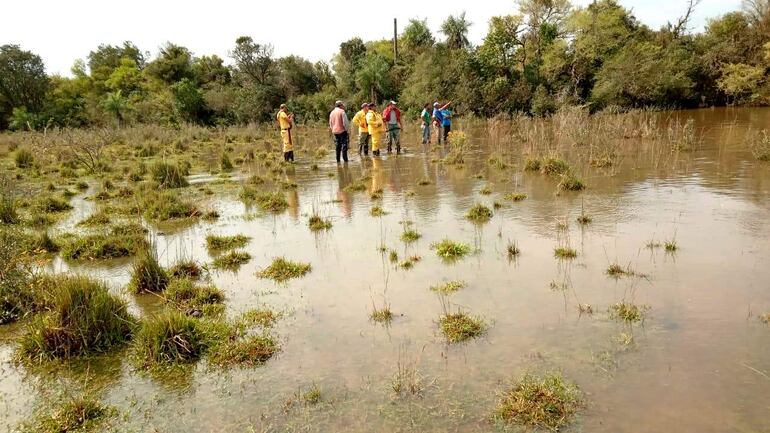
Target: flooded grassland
622, 261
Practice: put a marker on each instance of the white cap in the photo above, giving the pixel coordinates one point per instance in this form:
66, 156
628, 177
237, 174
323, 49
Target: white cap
393, 102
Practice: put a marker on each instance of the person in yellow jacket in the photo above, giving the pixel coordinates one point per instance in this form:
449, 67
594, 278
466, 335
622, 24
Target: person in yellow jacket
376, 128
286, 122
363, 129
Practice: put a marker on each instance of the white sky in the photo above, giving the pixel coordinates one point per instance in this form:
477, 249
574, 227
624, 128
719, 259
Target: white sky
62, 31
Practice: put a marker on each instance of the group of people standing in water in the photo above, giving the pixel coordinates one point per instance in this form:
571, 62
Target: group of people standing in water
373, 127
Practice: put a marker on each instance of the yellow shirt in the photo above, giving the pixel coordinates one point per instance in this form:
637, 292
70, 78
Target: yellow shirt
283, 120
374, 121
360, 120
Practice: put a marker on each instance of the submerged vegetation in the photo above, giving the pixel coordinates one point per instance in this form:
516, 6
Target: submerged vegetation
282, 270
449, 287
548, 402
222, 243
77, 414
628, 312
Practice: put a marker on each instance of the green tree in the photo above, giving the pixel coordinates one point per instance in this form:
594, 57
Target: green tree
117, 105
173, 63
254, 61
416, 37
188, 101
23, 81
210, 69
455, 28
372, 76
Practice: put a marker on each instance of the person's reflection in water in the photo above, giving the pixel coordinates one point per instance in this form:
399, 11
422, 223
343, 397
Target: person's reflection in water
377, 175
343, 180
292, 196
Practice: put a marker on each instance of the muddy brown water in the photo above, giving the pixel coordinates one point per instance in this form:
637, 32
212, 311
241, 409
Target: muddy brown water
700, 361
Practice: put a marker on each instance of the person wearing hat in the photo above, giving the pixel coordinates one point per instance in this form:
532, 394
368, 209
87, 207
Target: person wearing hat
392, 115
286, 122
376, 128
363, 129
338, 124
439, 112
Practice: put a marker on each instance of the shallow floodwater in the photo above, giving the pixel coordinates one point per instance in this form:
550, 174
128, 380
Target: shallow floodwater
699, 362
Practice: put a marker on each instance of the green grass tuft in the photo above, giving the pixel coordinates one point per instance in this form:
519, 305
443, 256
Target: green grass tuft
250, 351
186, 269
459, 327
515, 196
232, 260
479, 213
171, 338
78, 414
628, 312
449, 287
282, 270
377, 211
148, 275
185, 295
316, 223
81, 318
217, 243
169, 175
103, 246
450, 250
408, 236
565, 253
547, 402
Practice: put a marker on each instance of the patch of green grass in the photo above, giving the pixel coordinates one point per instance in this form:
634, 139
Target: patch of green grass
169, 175
671, 245
103, 246
486, 190
316, 223
554, 167
82, 317
167, 206
451, 250
532, 164
570, 182
282, 270
18, 289
24, 158
312, 396
547, 402
584, 219
565, 253
515, 196
250, 351
628, 312
100, 218
459, 327
409, 235
223, 243
148, 276
449, 287
50, 204
78, 414
377, 211
232, 260
765, 318
381, 315
393, 256
171, 338
224, 163
616, 271
272, 201
185, 295
258, 317
186, 269
479, 213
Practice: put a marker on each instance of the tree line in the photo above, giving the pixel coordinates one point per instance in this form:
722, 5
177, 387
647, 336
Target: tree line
549, 55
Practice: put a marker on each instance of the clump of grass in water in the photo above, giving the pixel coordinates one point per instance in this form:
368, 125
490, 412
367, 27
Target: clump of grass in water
148, 276
184, 294
628, 312
584, 219
51, 204
167, 206
424, 182
765, 318
547, 402
450, 250
532, 164
479, 213
759, 145
24, 158
381, 315
252, 351
224, 163
459, 327
409, 262
103, 246
224, 243
82, 413
282, 270
671, 245
449, 287
83, 318
616, 271
257, 317
316, 223
377, 211
565, 253
272, 201
586, 309
554, 167
515, 196
169, 175
409, 235
570, 182
486, 190
356, 186
171, 338
512, 249
232, 260
96, 219
186, 269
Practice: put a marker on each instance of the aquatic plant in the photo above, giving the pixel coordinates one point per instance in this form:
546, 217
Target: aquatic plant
186, 295
616, 271
570, 182
148, 276
167, 206
450, 250
547, 402
78, 414
18, 294
459, 327
377, 211
628, 312
565, 253
381, 315
216, 243
424, 182
407, 380
409, 235
263, 317
671, 245
479, 213
171, 338
554, 167
584, 219
316, 223
765, 318
250, 351
50, 204
515, 196
449, 287
532, 164
281, 270
231, 261
272, 201
169, 175
512, 249
100, 218
186, 269
759, 144
486, 190
224, 163
103, 246
585, 309
82, 317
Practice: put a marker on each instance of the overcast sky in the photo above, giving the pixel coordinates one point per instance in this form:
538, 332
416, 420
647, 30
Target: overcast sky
62, 31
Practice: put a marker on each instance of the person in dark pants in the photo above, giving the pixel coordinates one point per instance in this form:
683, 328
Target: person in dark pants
338, 124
